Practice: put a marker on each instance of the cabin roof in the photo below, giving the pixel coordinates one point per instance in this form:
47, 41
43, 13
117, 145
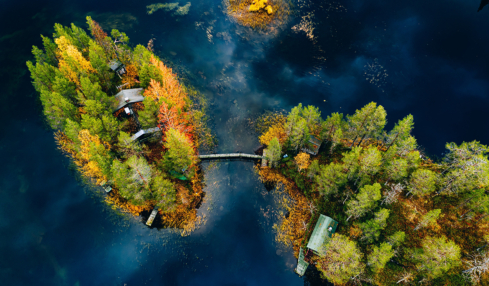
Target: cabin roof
133, 95
321, 234
115, 65
312, 146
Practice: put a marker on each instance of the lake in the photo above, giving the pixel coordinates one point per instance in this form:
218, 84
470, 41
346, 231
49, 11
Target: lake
426, 58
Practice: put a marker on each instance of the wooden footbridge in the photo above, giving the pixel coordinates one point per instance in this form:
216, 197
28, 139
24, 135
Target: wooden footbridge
230, 156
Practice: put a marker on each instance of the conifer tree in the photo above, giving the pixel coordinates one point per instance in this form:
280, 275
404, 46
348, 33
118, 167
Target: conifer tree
296, 128
367, 122
57, 108
370, 161
312, 115
343, 260
397, 169
180, 154
371, 229
274, 152
422, 182
428, 219
164, 193
330, 178
436, 257
401, 131
379, 257
351, 161
397, 238
364, 201
314, 169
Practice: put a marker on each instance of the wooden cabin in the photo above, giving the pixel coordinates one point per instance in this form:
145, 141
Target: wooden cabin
323, 231
312, 146
117, 67
127, 97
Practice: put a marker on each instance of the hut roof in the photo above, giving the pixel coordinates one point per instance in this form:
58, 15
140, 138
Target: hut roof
115, 65
312, 146
322, 233
301, 264
133, 95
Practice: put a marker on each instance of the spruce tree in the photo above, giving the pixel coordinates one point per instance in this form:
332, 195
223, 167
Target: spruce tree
379, 257
164, 193
274, 152
371, 229
364, 201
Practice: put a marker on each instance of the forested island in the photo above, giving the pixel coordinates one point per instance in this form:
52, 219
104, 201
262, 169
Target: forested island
401, 217
125, 120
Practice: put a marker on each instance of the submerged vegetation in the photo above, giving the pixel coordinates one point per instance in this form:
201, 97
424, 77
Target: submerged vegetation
259, 13
403, 218
104, 134
178, 10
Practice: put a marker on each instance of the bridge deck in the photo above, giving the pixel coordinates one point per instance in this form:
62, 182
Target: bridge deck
230, 155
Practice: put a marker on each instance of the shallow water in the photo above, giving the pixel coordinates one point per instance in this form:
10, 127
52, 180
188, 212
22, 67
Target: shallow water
428, 58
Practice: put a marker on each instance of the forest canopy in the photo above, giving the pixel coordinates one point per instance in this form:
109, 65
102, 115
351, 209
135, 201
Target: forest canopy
403, 217
144, 151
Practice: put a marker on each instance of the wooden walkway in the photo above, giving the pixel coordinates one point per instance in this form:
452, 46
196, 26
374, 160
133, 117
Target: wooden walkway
230, 156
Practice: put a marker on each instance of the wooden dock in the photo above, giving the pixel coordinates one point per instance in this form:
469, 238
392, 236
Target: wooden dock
230, 156
152, 217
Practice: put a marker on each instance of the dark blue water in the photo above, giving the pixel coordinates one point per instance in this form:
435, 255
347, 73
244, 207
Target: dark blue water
428, 58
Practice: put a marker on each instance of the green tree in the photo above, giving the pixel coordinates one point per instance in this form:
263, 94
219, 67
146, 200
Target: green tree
468, 167
148, 117
422, 182
364, 201
274, 152
397, 238
128, 146
370, 161
99, 59
296, 128
343, 260
164, 193
180, 154
314, 169
397, 169
379, 257
333, 123
371, 229
428, 219
351, 161
479, 205
436, 257
57, 108
367, 122
42, 75
401, 131
312, 115
330, 178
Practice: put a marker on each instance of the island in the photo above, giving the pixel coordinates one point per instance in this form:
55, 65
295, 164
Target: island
365, 205
126, 120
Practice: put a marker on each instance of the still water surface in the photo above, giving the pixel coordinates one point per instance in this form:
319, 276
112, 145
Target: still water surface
428, 58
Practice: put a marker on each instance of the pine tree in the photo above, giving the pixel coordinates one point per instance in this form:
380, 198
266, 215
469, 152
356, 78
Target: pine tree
364, 201
57, 109
333, 123
42, 76
397, 238
370, 161
164, 193
312, 115
437, 256
343, 260
401, 131
314, 169
379, 257
296, 128
422, 182
367, 122
428, 219
351, 161
397, 169
180, 154
330, 178
274, 152
371, 229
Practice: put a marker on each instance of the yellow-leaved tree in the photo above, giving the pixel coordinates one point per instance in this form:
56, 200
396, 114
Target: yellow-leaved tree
72, 64
302, 160
93, 158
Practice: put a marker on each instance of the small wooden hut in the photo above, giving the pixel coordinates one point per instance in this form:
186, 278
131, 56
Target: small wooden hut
323, 231
127, 97
312, 146
117, 67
